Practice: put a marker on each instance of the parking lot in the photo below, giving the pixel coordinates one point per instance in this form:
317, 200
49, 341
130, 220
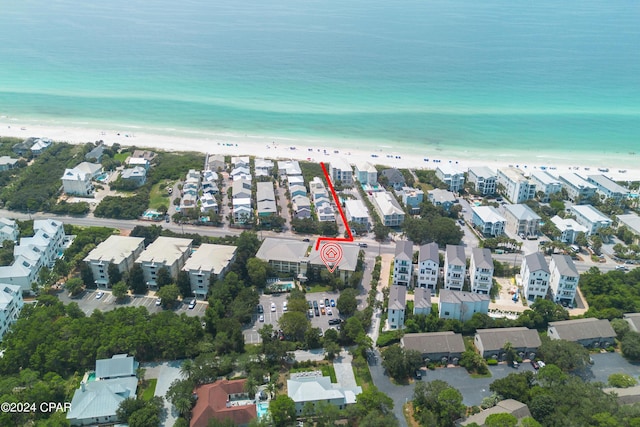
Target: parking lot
251, 335
88, 302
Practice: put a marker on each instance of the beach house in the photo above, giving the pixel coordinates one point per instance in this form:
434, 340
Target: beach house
590, 218
8, 230
266, 200
226, 401
366, 173
7, 163
207, 264
462, 305
340, 170
121, 251
514, 186
455, 264
289, 168
488, 221
136, 175
165, 252
579, 190
312, 388
546, 184
396, 307
262, 167
483, 179
403, 263
481, 270
393, 177
522, 221
388, 208
428, 266
11, 304
535, 274
215, 163
443, 198
357, 212
301, 206
422, 301
411, 198
569, 229
451, 176
77, 181
563, 279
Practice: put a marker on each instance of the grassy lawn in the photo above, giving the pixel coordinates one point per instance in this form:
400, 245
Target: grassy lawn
148, 392
362, 373
121, 156
487, 375
318, 288
159, 196
328, 371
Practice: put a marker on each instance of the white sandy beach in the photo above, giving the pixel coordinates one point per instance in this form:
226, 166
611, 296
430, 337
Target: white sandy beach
315, 150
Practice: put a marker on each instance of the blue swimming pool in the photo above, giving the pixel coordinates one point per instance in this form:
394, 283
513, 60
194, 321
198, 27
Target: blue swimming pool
262, 409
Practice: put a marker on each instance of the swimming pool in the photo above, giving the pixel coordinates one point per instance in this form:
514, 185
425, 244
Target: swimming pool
262, 408
91, 377
102, 177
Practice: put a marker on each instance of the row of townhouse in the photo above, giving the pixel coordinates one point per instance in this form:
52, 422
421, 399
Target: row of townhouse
199, 191
518, 219
322, 200
31, 254
426, 272
300, 202
204, 265
559, 278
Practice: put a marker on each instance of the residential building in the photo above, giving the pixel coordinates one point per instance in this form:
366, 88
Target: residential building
297, 190
241, 189
325, 212
535, 276
284, 256
77, 181
95, 155
483, 179
488, 221
578, 189
289, 167
263, 167
437, 347
223, 400
397, 306
403, 263
215, 163
48, 237
444, 198
455, 264
516, 187
266, 199
366, 173
241, 201
208, 203
462, 305
509, 406
632, 222
412, 199
96, 402
546, 184
241, 172
7, 163
522, 220
340, 170
588, 332
121, 251
345, 268
569, 229
164, 252
23, 272
481, 270
428, 266
294, 180
357, 212
394, 178
133, 162
563, 279
8, 230
388, 208
309, 388
301, 206
208, 264
490, 342
590, 218
137, 175
608, 188
144, 154
35, 145
240, 161
11, 304
422, 301
634, 321
451, 176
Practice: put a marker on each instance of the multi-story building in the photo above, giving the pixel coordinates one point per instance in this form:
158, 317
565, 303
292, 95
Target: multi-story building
78, 180
403, 263
462, 305
569, 229
428, 266
340, 170
356, 211
484, 179
444, 198
546, 184
451, 176
590, 218
206, 265
263, 167
516, 187
289, 168
578, 189
608, 188
241, 201
481, 270
422, 301
136, 175
301, 206
11, 304
632, 222
412, 198
397, 306
588, 332
366, 173
563, 279
121, 251
535, 275
440, 347
522, 220
307, 389
524, 341
266, 199
165, 252
8, 230
394, 178
388, 208
488, 221
455, 264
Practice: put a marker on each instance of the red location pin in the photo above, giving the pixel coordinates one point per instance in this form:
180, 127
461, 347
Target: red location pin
331, 254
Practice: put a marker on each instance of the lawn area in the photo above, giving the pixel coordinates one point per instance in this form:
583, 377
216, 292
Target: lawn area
121, 156
318, 288
148, 392
159, 195
361, 372
329, 371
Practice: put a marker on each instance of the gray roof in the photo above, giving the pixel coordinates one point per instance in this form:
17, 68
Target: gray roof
209, 257
631, 221
429, 252
441, 196
509, 406
565, 265
581, 329
455, 255
519, 337
348, 262
522, 212
434, 342
397, 297
456, 297
393, 176
404, 247
634, 320
120, 365
536, 262
282, 250
482, 257
101, 398
264, 191
422, 298
607, 183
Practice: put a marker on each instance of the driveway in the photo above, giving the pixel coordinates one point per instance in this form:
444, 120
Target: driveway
344, 370
166, 373
605, 364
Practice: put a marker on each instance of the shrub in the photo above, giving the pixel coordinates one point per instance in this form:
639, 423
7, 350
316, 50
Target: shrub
492, 362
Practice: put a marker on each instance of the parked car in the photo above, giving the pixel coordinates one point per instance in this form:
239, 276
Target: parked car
326, 302
418, 374
273, 306
261, 318
333, 303
284, 306
363, 245
99, 294
329, 311
541, 364
192, 304
260, 309
158, 301
322, 310
516, 365
310, 304
334, 321
316, 311
535, 365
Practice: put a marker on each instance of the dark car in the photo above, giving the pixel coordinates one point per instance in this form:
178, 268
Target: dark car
309, 304
315, 304
418, 374
260, 309
363, 245
335, 321
535, 365
316, 310
305, 240
327, 303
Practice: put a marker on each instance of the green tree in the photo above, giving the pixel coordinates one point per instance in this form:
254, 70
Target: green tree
184, 284
514, 386
114, 273
393, 361
163, 277
119, 290
169, 295
347, 303
622, 380
566, 355
630, 345
501, 420
282, 410
257, 270
294, 325
74, 286
136, 281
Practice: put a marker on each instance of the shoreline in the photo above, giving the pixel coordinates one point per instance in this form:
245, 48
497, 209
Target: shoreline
322, 149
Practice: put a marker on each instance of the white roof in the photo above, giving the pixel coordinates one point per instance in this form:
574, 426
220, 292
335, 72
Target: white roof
349, 259
545, 177
6, 160
289, 167
482, 171
366, 167
607, 183
512, 174
441, 196
522, 212
590, 213
165, 250
282, 250
263, 163
387, 203
565, 224
208, 257
632, 221
137, 161
115, 249
341, 163
488, 214
356, 208
449, 169
576, 180
312, 389
135, 172
8, 293
101, 398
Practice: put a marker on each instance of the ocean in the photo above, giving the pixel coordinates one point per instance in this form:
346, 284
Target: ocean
481, 79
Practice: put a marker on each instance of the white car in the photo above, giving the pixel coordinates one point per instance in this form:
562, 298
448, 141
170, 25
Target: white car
284, 306
99, 295
262, 318
192, 304
158, 301
329, 312
273, 306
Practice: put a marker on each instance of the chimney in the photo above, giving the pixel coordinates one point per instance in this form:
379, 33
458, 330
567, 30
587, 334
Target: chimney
82, 386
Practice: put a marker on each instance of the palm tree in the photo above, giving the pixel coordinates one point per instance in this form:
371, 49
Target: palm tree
187, 369
184, 405
251, 386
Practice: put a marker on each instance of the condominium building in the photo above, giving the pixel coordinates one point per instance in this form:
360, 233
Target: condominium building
208, 264
481, 270
121, 251
340, 170
451, 176
515, 186
11, 304
164, 252
455, 265
563, 279
569, 229
608, 188
488, 221
428, 267
590, 218
546, 184
535, 275
522, 220
483, 179
366, 173
578, 189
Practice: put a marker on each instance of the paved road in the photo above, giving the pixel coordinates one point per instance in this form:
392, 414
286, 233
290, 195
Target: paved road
166, 373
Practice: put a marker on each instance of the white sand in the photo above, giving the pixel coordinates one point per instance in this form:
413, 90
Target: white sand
315, 150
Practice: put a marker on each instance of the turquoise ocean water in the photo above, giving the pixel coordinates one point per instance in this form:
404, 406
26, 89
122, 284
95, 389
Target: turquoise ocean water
559, 78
